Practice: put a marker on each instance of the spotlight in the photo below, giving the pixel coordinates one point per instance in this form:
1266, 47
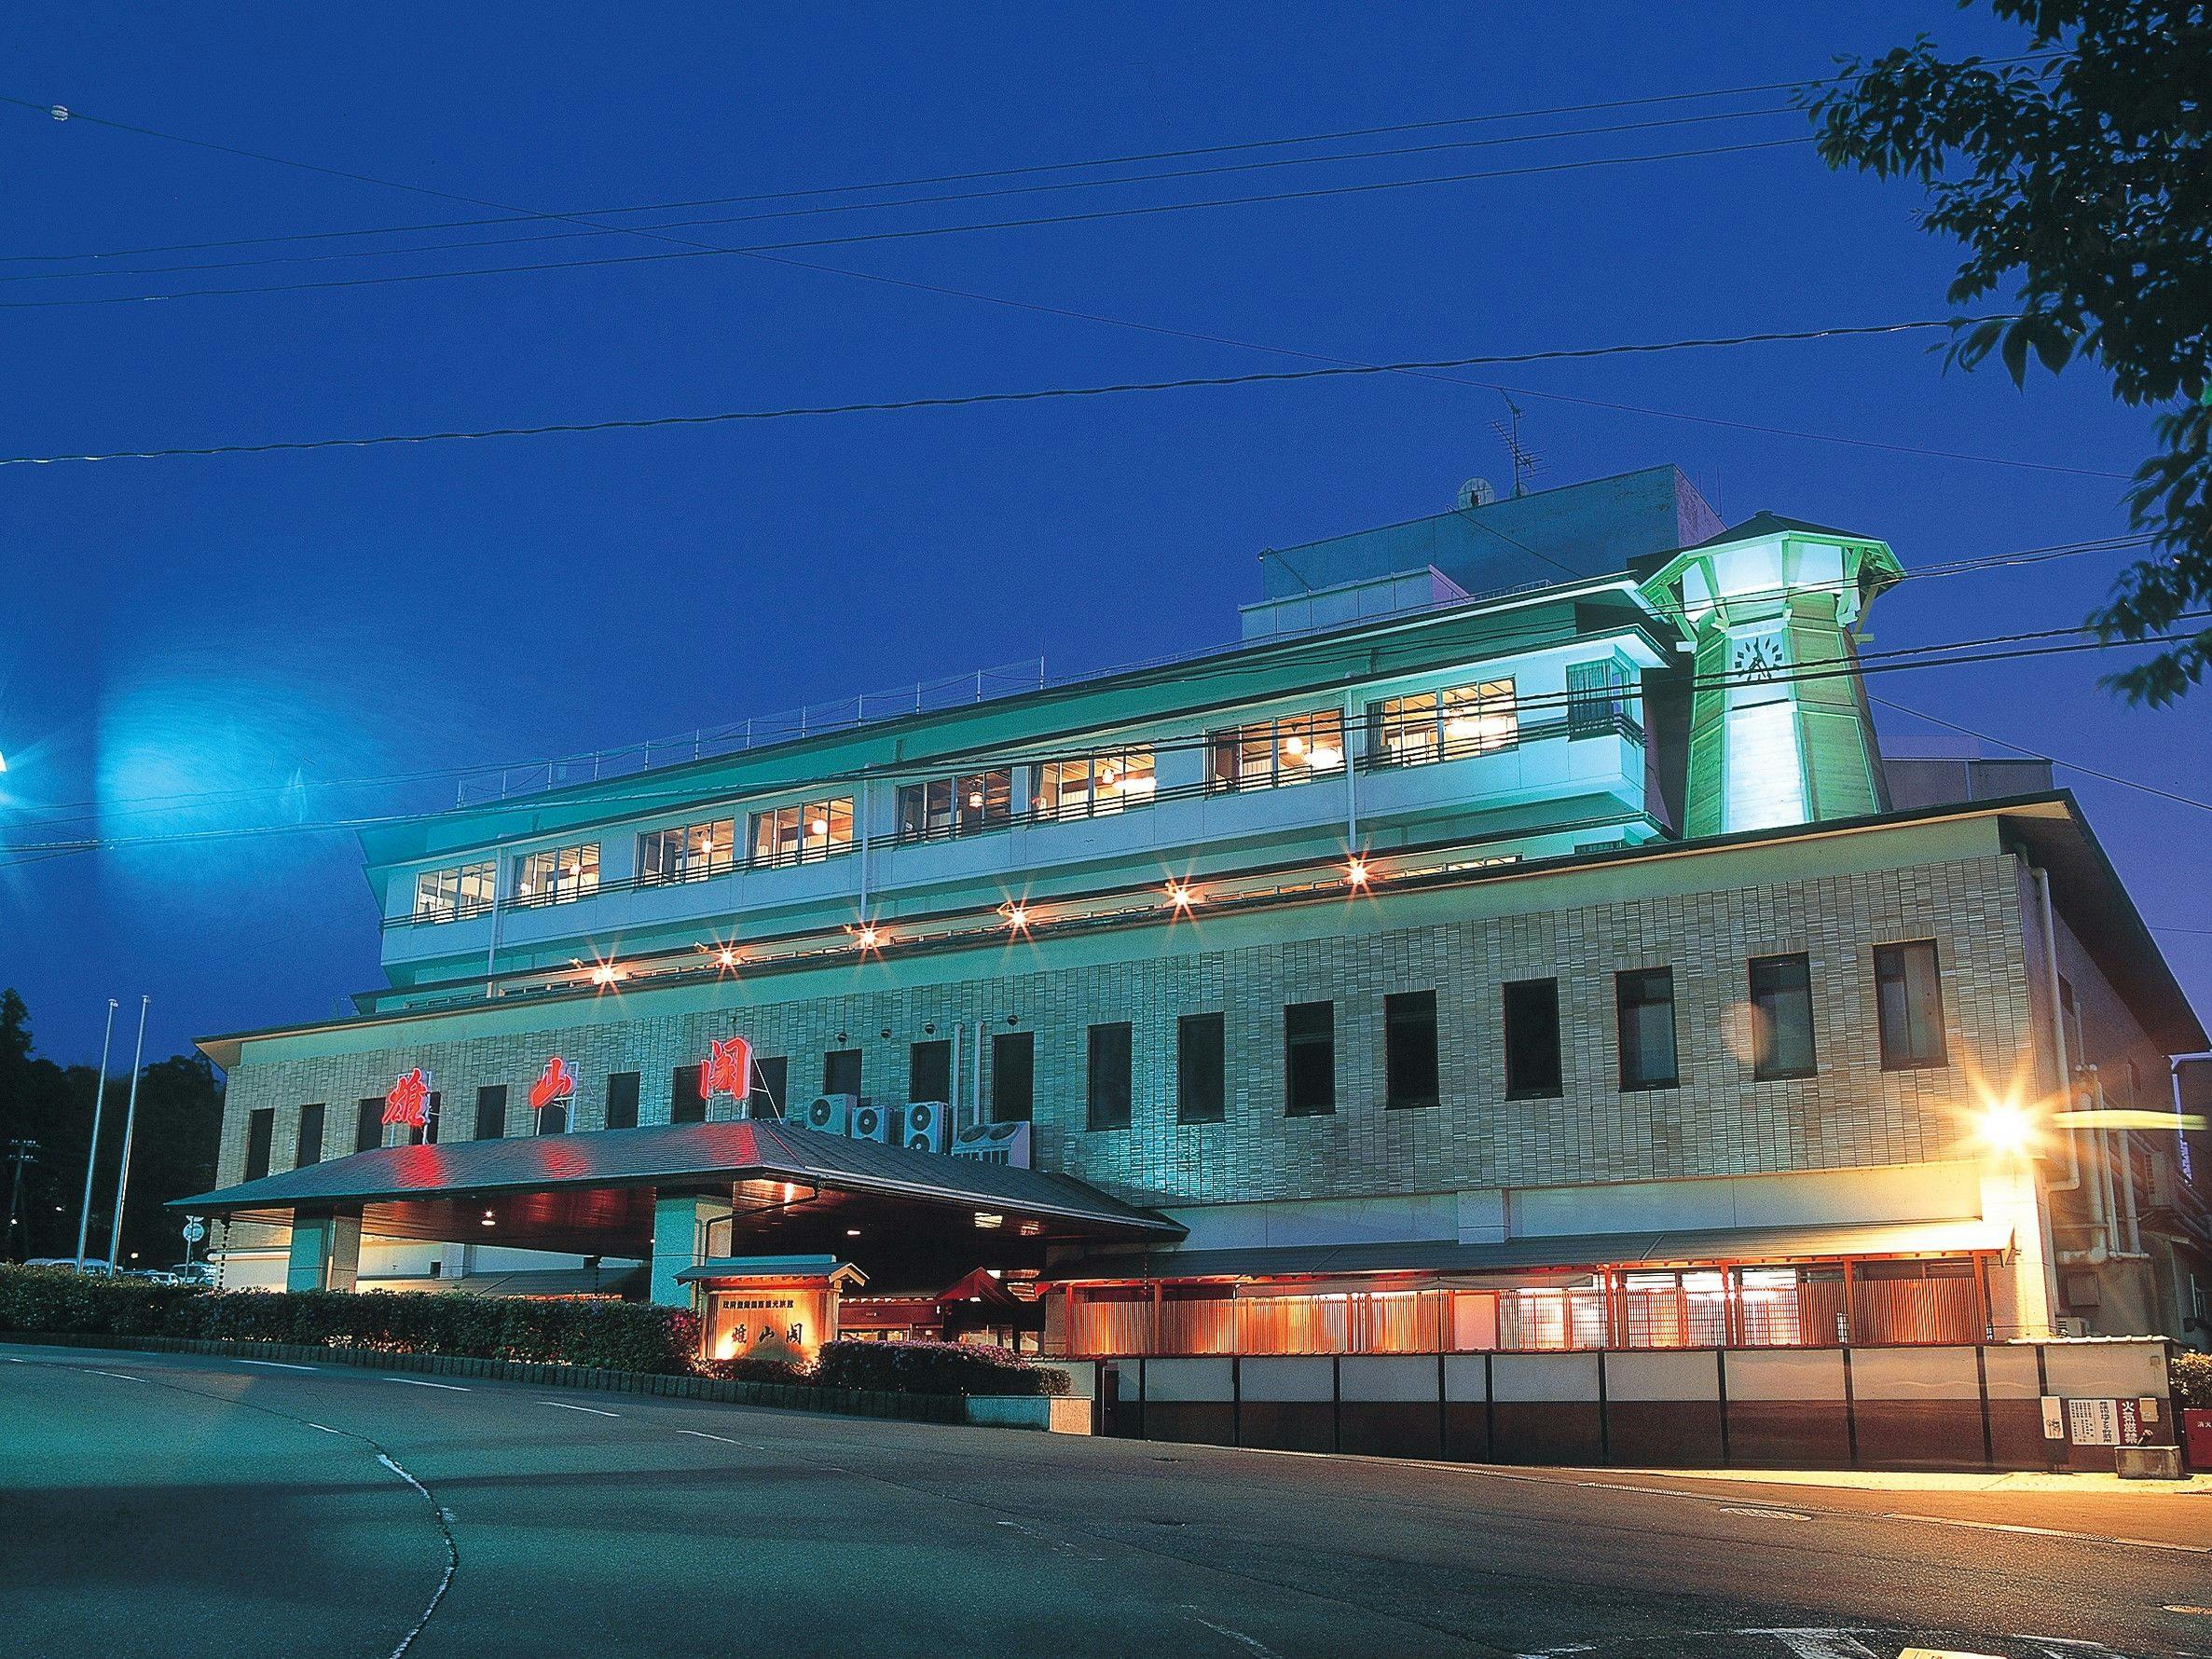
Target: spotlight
2006, 1129
1180, 896
606, 973
1355, 873
1017, 917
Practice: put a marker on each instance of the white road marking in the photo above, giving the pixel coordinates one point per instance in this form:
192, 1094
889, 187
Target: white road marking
119, 1375
326, 1428
1819, 1644
1249, 1644
281, 1364
564, 1405
1764, 1514
416, 1382
702, 1434
2137, 1544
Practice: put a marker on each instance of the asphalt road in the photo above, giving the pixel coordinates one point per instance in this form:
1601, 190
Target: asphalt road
175, 1505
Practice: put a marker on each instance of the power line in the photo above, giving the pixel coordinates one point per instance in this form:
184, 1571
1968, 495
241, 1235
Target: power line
586, 229
1334, 371
2110, 778
1971, 652
1095, 216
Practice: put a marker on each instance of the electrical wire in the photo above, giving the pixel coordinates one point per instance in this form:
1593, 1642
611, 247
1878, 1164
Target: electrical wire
967, 399
2110, 778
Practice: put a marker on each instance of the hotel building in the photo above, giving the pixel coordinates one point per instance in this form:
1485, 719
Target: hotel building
1516, 943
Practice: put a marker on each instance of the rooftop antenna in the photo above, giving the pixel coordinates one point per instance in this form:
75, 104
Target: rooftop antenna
1524, 461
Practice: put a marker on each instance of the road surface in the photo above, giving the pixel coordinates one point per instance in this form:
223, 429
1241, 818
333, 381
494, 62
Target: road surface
179, 1505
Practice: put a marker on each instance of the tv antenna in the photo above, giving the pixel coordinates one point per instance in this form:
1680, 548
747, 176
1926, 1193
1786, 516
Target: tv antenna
1523, 459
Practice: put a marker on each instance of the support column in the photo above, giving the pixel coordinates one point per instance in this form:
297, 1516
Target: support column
679, 1223
326, 1252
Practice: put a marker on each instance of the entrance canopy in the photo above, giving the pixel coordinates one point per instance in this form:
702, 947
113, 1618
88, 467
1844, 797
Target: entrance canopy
793, 1191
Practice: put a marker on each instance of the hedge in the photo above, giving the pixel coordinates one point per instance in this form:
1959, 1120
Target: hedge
2192, 1379
615, 1335
933, 1368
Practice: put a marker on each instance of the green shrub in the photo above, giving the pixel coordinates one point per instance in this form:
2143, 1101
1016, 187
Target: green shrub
615, 1335
933, 1368
746, 1369
2193, 1380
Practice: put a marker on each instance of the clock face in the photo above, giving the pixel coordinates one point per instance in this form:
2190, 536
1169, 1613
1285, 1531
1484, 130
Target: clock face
1757, 655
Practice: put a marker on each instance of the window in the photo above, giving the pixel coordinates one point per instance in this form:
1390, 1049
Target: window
1267, 753
622, 1100
369, 1125
491, 1111
1447, 725
426, 1132
1909, 1005
1782, 1017
557, 875
308, 1149
261, 1128
1096, 784
1532, 1039
553, 1117
770, 1091
1644, 1007
929, 1071
690, 853
686, 1104
1013, 1077
802, 833
955, 805
1201, 1074
1597, 697
1309, 1059
1107, 1098
1409, 1049
444, 895
840, 1072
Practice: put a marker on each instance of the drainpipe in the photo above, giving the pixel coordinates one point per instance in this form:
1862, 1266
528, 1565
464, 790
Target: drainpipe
952, 1092
1351, 785
981, 1025
2119, 1187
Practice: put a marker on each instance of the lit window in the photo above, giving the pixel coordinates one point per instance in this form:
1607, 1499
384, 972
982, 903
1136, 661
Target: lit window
557, 875
955, 805
1093, 785
689, 853
1447, 725
444, 895
1268, 753
803, 833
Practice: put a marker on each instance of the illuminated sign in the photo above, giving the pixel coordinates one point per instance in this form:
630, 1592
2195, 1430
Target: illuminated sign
408, 1099
727, 1069
557, 1084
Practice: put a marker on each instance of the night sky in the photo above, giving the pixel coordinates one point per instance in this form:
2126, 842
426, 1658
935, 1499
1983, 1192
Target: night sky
208, 644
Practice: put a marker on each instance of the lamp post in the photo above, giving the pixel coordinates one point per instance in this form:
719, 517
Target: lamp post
84, 1213
114, 1231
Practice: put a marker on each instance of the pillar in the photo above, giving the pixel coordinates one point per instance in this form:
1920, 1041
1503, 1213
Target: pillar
680, 1224
2022, 1299
326, 1252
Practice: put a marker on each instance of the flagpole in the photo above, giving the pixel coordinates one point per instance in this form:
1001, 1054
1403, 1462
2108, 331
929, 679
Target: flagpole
114, 1232
83, 1211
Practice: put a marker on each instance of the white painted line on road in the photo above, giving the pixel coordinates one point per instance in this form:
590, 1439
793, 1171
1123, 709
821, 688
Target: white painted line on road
119, 1375
1251, 1644
702, 1434
416, 1382
564, 1405
2139, 1544
281, 1364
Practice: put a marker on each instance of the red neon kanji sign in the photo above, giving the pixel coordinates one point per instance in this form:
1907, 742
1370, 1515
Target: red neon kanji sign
557, 1083
727, 1069
408, 1099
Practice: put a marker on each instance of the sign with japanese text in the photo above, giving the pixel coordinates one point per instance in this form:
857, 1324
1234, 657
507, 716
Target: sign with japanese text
408, 1100
727, 1068
556, 1085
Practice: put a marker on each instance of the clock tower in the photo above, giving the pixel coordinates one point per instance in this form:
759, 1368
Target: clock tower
1779, 730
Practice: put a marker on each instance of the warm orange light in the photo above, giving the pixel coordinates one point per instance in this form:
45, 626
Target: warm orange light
820, 825
1355, 873
606, 973
867, 935
1017, 917
726, 957
2007, 1129
986, 1219
1180, 895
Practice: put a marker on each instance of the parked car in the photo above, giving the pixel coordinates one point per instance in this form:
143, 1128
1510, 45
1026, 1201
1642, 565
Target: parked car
68, 1264
201, 1274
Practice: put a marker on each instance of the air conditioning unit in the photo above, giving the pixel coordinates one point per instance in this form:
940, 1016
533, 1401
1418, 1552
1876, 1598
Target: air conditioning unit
869, 1123
923, 1125
994, 1142
829, 1113
2068, 1324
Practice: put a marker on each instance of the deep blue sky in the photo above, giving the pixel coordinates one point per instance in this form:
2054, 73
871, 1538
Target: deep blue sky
197, 625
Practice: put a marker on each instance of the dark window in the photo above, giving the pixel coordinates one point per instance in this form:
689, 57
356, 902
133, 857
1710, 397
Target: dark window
261, 1128
553, 1117
770, 1092
1782, 1017
686, 1104
1200, 1072
1532, 1039
1309, 1059
622, 1100
491, 1111
1644, 1006
426, 1132
929, 1071
1909, 1004
368, 1126
1409, 1049
1013, 1077
840, 1072
1106, 1102
308, 1149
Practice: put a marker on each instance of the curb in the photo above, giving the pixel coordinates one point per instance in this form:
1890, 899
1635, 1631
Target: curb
920, 1408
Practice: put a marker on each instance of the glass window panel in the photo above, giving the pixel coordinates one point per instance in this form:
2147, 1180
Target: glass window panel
1532, 1039
1782, 1017
1644, 1009
1909, 1005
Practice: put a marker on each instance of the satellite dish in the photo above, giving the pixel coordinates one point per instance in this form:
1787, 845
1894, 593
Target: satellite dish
1478, 492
